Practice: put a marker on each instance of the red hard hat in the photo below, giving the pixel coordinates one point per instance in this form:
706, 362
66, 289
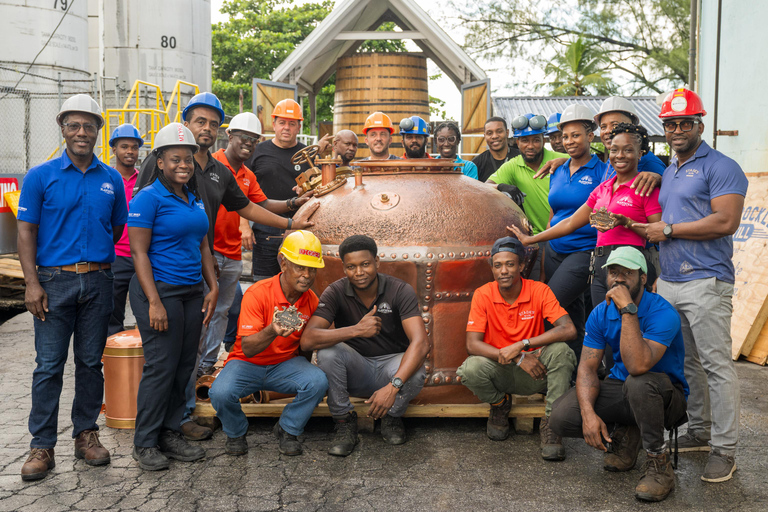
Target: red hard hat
682, 102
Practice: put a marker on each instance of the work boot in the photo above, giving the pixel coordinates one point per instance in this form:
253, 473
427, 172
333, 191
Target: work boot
287, 444
498, 420
719, 468
88, 448
551, 444
194, 432
626, 444
658, 478
691, 442
237, 445
346, 434
392, 430
150, 459
38, 464
173, 445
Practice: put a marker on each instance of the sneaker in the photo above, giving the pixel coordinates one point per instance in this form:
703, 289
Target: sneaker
690, 442
657, 480
288, 444
173, 445
194, 432
39, 463
392, 429
720, 467
236, 445
626, 445
89, 448
551, 444
150, 459
497, 428
346, 434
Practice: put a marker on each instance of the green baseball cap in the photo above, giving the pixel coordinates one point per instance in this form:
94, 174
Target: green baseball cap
627, 257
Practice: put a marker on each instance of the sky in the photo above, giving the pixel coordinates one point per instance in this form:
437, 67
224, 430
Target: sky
442, 88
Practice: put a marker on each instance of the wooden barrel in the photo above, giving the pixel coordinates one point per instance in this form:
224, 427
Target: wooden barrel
393, 83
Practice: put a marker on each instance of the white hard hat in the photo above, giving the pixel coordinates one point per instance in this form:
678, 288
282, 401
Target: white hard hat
617, 104
246, 122
175, 134
80, 103
577, 112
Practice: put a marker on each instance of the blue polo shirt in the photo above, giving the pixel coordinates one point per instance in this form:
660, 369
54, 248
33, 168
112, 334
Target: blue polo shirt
685, 196
469, 169
569, 193
177, 228
648, 163
74, 210
659, 322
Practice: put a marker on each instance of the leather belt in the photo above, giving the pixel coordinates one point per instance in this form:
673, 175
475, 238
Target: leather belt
84, 267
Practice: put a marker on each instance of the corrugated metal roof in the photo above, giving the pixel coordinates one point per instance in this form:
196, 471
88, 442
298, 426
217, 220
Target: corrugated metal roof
511, 107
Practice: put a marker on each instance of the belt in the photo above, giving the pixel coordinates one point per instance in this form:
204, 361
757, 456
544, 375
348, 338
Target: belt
605, 250
84, 267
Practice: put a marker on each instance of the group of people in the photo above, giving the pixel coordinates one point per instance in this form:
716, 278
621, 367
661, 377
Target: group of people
601, 300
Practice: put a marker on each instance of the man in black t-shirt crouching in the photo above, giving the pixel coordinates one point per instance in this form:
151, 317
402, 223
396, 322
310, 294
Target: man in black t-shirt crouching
377, 349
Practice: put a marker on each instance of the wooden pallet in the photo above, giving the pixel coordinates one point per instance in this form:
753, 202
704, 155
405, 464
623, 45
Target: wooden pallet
11, 268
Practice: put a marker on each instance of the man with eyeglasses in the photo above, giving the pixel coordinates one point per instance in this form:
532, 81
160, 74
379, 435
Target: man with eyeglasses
72, 211
646, 389
448, 139
702, 197
345, 146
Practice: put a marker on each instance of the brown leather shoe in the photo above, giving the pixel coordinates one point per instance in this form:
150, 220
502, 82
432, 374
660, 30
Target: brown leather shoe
89, 448
39, 463
195, 432
658, 478
626, 445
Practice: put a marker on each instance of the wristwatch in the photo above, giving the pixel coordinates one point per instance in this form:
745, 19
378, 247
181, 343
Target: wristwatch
526, 344
668, 231
630, 308
397, 382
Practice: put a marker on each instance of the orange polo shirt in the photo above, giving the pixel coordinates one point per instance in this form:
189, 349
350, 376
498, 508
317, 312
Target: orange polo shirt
227, 238
256, 310
504, 324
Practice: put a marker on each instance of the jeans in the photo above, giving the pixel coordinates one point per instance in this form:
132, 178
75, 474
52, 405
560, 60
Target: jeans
123, 270
705, 307
490, 380
211, 336
268, 241
234, 313
78, 304
169, 357
350, 373
651, 401
241, 378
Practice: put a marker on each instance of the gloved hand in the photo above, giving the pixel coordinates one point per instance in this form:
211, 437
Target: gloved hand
512, 192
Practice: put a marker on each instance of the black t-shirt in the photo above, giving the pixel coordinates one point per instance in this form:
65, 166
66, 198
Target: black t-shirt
487, 165
274, 171
216, 184
396, 301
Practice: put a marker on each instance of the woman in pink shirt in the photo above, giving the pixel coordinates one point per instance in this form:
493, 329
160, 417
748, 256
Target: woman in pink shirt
626, 208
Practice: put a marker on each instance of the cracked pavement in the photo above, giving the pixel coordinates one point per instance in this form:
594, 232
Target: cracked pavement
446, 464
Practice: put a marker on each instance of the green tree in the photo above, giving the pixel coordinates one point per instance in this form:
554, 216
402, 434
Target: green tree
579, 71
645, 42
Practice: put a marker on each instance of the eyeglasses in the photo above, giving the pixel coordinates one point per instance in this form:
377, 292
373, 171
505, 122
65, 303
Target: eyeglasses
90, 129
450, 139
248, 138
685, 125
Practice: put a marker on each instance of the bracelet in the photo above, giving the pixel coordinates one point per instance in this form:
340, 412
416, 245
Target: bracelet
522, 356
290, 224
292, 204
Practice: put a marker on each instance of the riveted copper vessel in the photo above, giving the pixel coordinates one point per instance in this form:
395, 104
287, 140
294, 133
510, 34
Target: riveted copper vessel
434, 228
123, 364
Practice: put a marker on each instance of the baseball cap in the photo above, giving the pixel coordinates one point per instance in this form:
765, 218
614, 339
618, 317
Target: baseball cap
627, 257
509, 244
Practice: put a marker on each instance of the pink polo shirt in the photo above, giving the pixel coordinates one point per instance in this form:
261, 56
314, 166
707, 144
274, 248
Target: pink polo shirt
123, 246
625, 202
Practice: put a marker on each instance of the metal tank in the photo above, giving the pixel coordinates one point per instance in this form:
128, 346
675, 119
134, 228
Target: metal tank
434, 228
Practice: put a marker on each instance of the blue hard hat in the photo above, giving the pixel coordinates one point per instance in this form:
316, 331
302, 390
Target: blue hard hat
415, 125
552, 122
529, 124
125, 131
204, 99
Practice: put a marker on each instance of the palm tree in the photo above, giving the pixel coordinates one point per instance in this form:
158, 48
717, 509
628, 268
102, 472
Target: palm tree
580, 71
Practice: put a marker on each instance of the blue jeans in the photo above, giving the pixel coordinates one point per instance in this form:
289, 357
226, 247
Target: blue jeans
241, 378
78, 304
268, 241
234, 313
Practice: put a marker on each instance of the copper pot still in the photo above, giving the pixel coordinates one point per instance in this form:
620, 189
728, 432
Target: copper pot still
434, 228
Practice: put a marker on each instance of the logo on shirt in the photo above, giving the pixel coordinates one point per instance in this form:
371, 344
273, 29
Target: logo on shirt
384, 308
107, 188
690, 173
201, 206
134, 214
471, 322
527, 314
246, 182
626, 201
686, 268
297, 167
586, 180
214, 177
321, 305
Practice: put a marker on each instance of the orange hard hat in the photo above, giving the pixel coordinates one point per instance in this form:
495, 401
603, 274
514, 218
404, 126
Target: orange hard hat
378, 120
682, 102
288, 109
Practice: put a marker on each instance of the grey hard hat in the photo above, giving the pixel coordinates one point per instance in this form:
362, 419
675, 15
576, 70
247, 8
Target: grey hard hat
80, 103
577, 112
175, 134
617, 104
